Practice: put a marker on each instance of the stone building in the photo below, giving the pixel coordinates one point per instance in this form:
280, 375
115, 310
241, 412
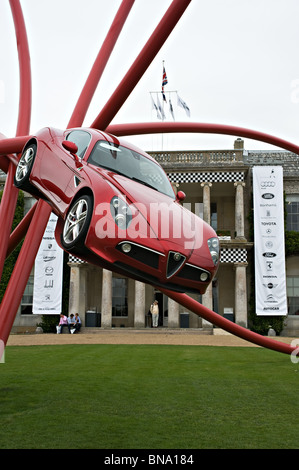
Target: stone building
218, 187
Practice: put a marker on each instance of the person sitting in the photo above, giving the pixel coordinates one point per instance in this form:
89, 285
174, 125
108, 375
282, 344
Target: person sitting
77, 324
62, 323
71, 322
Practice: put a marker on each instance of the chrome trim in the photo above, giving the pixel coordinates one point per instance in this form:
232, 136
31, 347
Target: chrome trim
77, 181
141, 246
198, 267
180, 264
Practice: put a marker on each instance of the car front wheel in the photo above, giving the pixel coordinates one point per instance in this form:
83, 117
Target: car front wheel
77, 223
24, 167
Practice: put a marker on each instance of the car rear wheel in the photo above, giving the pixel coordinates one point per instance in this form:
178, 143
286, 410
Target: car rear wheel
24, 167
77, 223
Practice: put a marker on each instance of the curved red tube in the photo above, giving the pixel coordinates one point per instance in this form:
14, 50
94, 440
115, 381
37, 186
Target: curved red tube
142, 62
13, 145
17, 283
99, 65
228, 325
23, 125
195, 127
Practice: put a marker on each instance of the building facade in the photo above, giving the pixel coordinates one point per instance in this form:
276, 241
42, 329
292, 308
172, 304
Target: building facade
218, 188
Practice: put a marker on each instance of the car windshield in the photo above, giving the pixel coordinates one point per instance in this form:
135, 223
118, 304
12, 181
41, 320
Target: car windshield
131, 164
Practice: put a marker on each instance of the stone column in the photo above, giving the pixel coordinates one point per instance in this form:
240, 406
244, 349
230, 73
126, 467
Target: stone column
139, 313
173, 314
239, 210
207, 301
106, 310
207, 298
240, 294
206, 202
77, 297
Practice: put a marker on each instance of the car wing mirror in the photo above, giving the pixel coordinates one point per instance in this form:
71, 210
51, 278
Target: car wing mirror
180, 196
70, 147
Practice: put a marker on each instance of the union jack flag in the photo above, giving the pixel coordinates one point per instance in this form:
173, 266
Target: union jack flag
164, 82
164, 79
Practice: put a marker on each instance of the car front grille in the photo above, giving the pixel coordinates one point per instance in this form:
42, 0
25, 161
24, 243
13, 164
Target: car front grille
193, 273
174, 262
141, 254
145, 277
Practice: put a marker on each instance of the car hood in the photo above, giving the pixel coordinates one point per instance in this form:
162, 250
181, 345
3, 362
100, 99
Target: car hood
168, 219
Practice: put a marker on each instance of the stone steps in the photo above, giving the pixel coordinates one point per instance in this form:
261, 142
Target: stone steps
162, 330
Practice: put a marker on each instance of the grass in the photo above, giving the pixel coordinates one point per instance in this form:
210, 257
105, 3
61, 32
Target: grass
147, 397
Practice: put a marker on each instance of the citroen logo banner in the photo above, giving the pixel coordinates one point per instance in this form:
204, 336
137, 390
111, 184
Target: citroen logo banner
270, 276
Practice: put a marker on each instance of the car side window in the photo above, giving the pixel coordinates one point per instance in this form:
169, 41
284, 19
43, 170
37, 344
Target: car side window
81, 139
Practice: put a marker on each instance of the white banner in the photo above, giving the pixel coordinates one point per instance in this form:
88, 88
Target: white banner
47, 288
270, 276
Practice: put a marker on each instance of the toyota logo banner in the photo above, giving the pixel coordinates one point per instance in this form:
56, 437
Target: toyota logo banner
48, 269
270, 276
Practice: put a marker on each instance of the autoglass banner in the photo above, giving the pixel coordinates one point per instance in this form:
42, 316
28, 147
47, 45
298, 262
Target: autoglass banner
47, 288
270, 279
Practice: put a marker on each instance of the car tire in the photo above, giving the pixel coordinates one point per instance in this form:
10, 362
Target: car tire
76, 223
24, 167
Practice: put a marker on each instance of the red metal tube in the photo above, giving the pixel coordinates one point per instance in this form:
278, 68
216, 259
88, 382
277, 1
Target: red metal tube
228, 325
7, 210
100, 64
17, 283
142, 62
13, 145
20, 231
24, 66
196, 127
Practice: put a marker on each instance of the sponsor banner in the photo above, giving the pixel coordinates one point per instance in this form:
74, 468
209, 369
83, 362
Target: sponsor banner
270, 277
47, 288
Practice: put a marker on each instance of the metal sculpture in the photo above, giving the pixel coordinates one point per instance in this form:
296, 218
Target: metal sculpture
32, 227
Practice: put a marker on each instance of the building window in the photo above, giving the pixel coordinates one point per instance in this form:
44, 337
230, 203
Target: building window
293, 212
293, 295
119, 297
27, 299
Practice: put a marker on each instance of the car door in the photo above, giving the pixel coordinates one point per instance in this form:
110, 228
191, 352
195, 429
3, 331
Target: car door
59, 168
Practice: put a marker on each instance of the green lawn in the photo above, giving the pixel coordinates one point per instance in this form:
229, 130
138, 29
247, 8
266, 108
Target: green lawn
147, 397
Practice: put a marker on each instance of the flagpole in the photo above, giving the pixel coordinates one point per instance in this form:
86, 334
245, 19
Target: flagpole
163, 114
160, 109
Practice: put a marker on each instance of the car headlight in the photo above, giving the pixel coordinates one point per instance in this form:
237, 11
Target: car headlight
213, 244
121, 212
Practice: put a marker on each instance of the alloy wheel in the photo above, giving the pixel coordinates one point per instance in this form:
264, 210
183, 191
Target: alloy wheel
25, 163
75, 221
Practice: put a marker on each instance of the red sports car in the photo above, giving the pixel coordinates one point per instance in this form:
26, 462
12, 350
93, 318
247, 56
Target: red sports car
117, 209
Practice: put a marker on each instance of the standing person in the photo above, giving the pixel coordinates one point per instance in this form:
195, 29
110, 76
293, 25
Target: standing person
155, 313
62, 322
77, 324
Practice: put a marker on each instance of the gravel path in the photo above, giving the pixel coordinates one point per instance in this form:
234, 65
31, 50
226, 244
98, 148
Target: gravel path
127, 336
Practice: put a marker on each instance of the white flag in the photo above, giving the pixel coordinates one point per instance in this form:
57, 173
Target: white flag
183, 105
171, 109
160, 108
155, 107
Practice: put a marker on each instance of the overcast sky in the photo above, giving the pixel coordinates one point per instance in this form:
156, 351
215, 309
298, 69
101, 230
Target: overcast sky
233, 62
